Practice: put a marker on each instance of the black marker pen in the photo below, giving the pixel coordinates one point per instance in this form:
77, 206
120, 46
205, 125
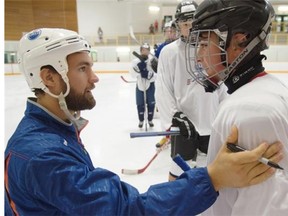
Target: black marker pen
235, 148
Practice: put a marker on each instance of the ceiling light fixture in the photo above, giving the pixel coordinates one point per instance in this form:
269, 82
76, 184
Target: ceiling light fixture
283, 8
154, 8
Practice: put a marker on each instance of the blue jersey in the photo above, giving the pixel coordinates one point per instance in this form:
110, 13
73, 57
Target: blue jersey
49, 172
160, 47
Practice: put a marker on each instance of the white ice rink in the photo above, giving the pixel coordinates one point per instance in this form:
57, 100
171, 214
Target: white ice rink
107, 136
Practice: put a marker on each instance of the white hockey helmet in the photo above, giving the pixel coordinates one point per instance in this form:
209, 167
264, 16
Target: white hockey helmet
48, 46
145, 46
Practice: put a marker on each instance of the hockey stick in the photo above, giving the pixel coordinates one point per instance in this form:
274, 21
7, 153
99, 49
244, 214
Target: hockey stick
135, 39
141, 170
127, 81
145, 108
177, 159
138, 56
154, 133
181, 163
164, 140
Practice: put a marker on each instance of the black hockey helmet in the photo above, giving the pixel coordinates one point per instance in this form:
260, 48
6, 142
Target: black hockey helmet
185, 10
252, 18
226, 18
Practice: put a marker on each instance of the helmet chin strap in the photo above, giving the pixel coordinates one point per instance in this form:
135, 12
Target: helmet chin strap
62, 101
64, 108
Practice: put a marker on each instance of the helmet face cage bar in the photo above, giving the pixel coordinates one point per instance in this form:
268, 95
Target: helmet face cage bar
200, 60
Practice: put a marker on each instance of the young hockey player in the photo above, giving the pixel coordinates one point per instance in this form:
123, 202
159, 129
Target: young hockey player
182, 101
170, 34
142, 70
229, 37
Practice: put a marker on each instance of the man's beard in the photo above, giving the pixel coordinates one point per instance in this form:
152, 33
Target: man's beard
78, 102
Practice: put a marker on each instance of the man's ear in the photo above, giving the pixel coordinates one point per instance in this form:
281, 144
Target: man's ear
48, 77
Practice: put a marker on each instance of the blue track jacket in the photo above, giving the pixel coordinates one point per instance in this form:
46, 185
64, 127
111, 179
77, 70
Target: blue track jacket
49, 172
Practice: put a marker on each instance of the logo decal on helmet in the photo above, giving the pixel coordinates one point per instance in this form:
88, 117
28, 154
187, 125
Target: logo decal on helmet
34, 34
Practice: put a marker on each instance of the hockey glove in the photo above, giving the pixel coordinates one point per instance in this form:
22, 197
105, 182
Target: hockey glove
154, 64
186, 127
143, 69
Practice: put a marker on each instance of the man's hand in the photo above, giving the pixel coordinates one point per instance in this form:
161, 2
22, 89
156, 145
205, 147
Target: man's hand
242, 169
186, 127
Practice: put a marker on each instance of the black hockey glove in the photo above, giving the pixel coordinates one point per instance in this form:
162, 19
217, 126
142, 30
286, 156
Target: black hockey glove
154, 64
143, 69
186, 127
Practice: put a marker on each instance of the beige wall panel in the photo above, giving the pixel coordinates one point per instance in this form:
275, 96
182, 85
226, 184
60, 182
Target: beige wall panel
25, 15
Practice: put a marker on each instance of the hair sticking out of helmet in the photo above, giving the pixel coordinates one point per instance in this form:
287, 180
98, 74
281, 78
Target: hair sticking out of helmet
185, 10
48, 46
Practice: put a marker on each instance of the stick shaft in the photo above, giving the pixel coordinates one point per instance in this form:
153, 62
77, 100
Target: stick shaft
153, 133
138, 56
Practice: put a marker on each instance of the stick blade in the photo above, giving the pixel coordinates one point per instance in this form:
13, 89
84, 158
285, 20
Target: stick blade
138, 171
130, 172
132, 34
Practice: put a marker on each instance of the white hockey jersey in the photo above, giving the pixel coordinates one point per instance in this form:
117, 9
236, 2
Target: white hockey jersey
260, 111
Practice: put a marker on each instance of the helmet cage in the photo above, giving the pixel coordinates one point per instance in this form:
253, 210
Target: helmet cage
196, 69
